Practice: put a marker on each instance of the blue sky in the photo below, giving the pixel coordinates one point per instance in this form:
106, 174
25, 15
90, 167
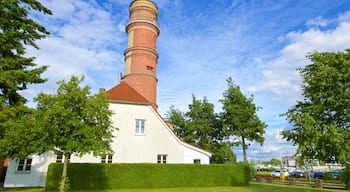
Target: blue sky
259, 43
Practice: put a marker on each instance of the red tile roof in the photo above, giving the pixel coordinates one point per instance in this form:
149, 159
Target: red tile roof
123, 92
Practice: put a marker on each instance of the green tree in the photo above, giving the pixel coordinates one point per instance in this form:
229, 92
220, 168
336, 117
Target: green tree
74, 122
321, 121
202, 127
178, 120
20, 131
222, 153
240, 118
275, 162
17, 32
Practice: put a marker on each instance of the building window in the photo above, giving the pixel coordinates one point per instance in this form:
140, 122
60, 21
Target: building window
107, 158
197, 161
149, 68
24, 165
162, 158
60, 157
140, 126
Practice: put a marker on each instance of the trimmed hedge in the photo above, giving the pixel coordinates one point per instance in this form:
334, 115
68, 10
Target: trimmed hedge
119, 176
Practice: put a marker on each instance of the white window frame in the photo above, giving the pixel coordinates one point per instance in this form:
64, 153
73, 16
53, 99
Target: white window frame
107, 158
140, 126
162, 158
24, 165
60, 157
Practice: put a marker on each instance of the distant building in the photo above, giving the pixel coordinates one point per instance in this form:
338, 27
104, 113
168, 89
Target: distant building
289, 162
143, 136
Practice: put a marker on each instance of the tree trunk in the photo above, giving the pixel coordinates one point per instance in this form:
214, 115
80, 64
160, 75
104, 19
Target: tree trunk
244, 151
64, 172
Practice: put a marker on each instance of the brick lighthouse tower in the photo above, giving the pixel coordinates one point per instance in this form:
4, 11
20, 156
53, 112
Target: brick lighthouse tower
141, 56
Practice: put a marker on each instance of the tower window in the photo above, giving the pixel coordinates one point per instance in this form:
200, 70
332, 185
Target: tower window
149, 68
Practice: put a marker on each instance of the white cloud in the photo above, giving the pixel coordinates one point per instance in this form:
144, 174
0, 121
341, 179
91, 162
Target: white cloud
344, 17
62, 9
85, 40
273, 147
280, 76
318, 21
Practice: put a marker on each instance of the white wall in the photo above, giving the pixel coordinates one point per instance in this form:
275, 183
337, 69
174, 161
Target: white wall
133, 148
158, 138
35, 177
191, 155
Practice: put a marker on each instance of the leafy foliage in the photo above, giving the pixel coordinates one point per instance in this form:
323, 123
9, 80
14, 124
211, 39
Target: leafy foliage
17, 32
202, 127
240, 119
275, 162
345, 177
74, 121
321, 122
22, 135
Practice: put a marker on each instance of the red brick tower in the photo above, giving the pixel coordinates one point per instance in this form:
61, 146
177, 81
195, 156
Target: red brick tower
141, 56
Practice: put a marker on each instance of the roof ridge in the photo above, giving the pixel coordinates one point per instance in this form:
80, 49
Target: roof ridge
124, 92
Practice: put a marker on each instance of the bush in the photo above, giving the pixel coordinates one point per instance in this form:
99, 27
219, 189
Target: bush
118, 176
266, 169
328, 176
345, 177
252, 171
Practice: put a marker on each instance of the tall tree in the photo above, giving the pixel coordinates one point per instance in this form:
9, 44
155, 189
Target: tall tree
196, 125
17, 31
201, 126
74, 122
321, 121
240, 118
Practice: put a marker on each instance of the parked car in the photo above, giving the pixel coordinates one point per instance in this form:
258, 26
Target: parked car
318, 175
276, 173
298, 173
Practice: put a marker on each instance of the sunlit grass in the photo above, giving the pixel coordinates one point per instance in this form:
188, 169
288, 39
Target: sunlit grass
254, 187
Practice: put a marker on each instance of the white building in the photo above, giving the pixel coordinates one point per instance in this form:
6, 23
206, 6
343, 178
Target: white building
143, 136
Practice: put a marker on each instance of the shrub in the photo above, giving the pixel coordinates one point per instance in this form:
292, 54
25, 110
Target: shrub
118, 176
345, 177
252, 171
328, 176
266, 169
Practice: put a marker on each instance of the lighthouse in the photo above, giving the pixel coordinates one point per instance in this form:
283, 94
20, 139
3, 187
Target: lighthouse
141, 56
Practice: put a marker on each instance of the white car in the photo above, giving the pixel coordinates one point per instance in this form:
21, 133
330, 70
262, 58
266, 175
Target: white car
276, 173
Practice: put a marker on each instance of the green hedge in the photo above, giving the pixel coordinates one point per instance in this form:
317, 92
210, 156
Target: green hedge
118, 176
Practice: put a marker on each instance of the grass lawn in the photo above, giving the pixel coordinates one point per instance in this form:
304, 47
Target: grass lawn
258, 187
